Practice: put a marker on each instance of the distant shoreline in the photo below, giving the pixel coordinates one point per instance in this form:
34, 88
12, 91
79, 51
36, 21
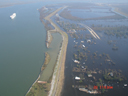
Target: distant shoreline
118, 10
12, 4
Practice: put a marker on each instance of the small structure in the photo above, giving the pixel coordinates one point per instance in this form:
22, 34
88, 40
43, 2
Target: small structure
111, 74
83, 46
108, 60
88, 41
83, 67
77, 78
89, 75
125, 85
72, 31
82, 41
44, 8
76, 61
88, 91
42, 82
76, 42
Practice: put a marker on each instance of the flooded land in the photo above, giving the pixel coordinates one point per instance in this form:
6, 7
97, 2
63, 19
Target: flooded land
96, 61
96, 57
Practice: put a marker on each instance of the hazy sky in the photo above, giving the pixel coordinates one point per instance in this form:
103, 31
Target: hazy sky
2, 2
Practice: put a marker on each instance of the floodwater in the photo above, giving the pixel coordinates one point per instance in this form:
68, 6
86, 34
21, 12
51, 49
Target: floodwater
91, 13
119, 57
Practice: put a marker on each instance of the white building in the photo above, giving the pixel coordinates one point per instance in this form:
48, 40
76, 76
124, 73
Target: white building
83, 46
77, 78
88, 41
76, 61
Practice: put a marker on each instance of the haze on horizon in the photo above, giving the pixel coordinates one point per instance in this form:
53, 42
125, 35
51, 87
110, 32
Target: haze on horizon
5, 2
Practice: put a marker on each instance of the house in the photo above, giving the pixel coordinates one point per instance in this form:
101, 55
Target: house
72, 31
83, 46
76, 61
77, 78
82, 41
125, 84
111, 74
89, 75
83, 67
88, 41
44, 8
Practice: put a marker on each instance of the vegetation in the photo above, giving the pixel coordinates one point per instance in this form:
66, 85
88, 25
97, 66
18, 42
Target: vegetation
75, 56
66, 14
118, 31
113, 75
47, 59
67, 26
37, 88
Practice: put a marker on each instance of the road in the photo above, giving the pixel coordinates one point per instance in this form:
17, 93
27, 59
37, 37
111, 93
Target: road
91, 31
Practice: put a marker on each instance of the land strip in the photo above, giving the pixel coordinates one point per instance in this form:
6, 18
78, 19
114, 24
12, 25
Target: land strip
49, 39
58, 76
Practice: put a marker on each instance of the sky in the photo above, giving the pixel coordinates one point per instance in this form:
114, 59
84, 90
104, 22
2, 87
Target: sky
4, 2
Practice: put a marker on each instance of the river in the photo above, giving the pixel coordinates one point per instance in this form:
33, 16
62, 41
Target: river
22, 42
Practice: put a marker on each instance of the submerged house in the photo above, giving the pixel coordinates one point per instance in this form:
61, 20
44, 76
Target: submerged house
83, 46
111, 74
77, 78
76, 61
44, 8
89, 75
82, 41
72, 31
88, 41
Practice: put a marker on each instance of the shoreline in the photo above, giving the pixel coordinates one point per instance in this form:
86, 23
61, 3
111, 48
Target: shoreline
55, 85
12, 4
32, 85
118, 10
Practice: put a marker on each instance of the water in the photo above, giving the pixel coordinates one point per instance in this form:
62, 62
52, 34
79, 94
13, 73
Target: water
22, 47
53, 51
93, 13
119, 57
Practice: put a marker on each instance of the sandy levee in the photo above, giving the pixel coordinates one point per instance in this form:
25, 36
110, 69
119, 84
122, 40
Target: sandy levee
58, 79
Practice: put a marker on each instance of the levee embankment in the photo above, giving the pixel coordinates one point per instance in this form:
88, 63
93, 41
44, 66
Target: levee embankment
53, 73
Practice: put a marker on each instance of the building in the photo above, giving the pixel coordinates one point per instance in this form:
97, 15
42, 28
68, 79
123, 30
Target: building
77, 78
76, 61
88, 41
89, 75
